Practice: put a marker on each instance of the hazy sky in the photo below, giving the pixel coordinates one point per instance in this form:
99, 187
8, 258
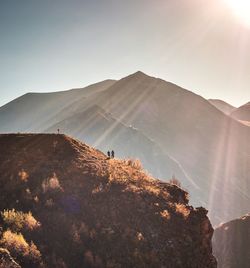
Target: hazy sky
50, 45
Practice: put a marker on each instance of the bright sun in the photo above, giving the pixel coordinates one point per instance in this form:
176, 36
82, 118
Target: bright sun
241, 8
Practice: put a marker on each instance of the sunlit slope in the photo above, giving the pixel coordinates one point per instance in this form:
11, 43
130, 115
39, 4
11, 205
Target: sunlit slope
97, 127
36, 111
223, 106
93, 211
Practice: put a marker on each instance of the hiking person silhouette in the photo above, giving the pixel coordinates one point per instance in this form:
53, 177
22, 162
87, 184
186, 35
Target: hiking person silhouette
112, 154
108, 153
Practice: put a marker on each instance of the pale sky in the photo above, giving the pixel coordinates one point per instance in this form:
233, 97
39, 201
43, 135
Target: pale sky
52, 45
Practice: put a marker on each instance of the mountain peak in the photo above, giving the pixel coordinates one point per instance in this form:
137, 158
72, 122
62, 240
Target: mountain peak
139, 74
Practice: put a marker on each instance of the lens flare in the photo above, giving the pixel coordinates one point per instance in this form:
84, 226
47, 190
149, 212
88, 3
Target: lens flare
241, 8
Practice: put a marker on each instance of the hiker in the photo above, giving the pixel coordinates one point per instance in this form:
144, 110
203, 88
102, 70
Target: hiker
108, 154
112, 154
58, 131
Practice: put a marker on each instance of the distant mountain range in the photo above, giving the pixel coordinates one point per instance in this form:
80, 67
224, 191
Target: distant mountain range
223, 106
242, 113
172, 130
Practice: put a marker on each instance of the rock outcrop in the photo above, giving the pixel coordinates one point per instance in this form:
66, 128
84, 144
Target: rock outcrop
231, 243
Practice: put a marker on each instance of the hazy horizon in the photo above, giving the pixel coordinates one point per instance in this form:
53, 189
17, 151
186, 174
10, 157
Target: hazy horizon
201, 46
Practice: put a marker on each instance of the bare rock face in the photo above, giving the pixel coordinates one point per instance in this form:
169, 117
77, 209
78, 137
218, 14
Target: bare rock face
99, 212
231, 243
202, 242
6, 261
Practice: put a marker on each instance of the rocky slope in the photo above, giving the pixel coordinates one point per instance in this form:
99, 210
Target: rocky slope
231, 243
90, 211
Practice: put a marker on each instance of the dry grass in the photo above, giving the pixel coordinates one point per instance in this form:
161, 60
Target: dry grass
51, 184
165, 214
18, 220
19, 247
175, 181
182, 209
134, 163
23, 175
131, 173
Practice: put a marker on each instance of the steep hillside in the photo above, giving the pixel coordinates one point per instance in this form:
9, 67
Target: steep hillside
223, 106
101, 130
36, 111
242, 113
90, 211
210, 148
231, 243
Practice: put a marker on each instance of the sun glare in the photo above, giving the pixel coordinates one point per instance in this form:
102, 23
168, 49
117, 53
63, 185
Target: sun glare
241, 8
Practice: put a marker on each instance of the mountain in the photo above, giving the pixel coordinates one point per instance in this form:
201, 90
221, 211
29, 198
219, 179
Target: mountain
223, 106
65, 204
171, 129
231, 243
242, 113
210, 146
36, 111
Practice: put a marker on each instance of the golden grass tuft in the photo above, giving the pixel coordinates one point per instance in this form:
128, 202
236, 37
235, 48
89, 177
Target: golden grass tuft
175, 181
51, 184
165, 214
23, 175
130, 173
18, 220
19, 247
182, 209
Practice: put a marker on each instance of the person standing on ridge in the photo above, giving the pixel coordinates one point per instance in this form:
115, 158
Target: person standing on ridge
112, 154
108, 153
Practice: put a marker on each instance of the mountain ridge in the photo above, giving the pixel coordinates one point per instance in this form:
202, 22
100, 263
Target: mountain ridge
222, 106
